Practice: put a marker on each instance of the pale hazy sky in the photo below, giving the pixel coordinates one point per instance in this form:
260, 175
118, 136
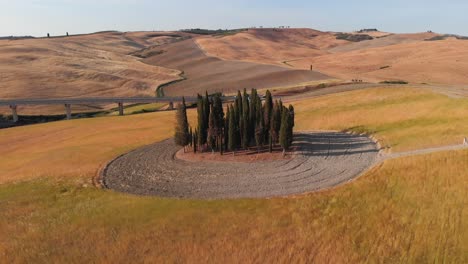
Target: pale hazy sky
38, 17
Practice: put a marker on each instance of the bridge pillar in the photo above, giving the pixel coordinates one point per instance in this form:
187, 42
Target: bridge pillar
68, 111
121, 109
14, 113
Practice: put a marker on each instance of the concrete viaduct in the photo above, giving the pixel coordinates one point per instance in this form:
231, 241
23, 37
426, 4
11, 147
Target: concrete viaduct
68, 102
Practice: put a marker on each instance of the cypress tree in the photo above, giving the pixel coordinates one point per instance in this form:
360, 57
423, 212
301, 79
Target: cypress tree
211, 130
239, 102
275, 123
218, 116
268, 109
253, 113
202, 128
190, 137
259, 127
237, 122
207, 110
226, 127
291, 112
245, 120
182, 127
232, 137
292, 123
285, 141
195, 138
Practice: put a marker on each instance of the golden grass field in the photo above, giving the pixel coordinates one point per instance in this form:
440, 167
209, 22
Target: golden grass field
410, 210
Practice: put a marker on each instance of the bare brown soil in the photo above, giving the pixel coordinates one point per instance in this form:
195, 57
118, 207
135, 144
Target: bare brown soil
95, 65
205, 73
407, 57
245, 156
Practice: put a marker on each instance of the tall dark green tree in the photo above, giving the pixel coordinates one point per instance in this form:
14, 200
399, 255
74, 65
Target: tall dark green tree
190, 135
284, 138
211, 140
218, 116
195, 139
237, 121
207, 104
259, 125
275, 122
181, 136
232, 137
252, 112
202, 123
226, 128
239, 102
292, 123
268, 109
245, 120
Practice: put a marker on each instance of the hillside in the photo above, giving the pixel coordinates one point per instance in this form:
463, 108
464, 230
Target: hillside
387, 56
203, 72
271, 45
433, 62
92, 65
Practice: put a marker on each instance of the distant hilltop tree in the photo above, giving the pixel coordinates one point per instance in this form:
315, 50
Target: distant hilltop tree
248, 123
353, 37
364, 30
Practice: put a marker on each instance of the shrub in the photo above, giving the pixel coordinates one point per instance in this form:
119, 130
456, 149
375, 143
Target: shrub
394, 82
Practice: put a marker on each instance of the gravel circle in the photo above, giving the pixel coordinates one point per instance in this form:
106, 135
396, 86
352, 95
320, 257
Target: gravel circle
323, 160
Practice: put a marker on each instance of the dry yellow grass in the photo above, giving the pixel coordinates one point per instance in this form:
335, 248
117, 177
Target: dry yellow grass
410, 210
78, 147
403, 118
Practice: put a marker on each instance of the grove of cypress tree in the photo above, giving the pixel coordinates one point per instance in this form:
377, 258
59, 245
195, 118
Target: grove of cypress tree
181, 136
247, 123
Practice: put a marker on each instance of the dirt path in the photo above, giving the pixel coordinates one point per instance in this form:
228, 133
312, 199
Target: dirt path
422, 152
324, 160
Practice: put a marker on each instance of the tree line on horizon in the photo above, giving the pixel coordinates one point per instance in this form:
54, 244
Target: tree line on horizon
246, 123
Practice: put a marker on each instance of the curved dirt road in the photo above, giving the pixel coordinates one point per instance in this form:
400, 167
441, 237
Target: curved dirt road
324, 160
